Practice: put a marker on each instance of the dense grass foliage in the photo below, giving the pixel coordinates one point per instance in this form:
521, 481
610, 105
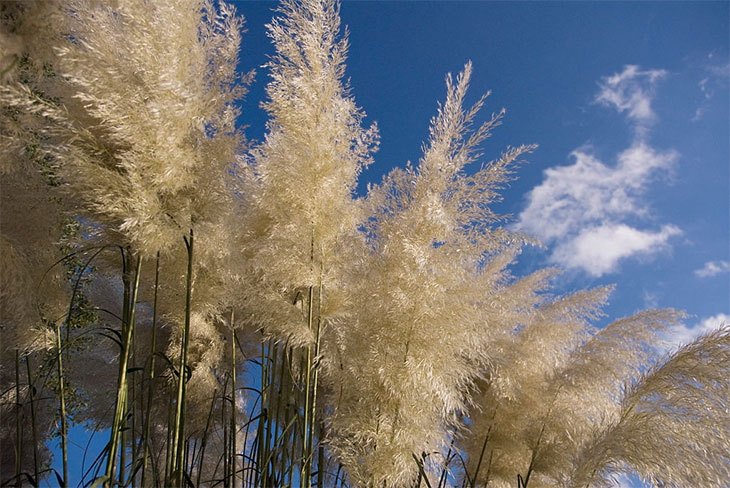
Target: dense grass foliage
230, 314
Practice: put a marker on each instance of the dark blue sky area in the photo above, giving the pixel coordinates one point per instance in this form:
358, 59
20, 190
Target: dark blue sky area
541, 60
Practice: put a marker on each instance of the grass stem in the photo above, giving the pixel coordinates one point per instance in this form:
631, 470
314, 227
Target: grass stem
179, 432
151, 376
128, 319
62, 405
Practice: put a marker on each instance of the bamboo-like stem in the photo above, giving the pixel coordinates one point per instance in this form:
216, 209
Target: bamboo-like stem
233, 401
254, 472
128, 319
421, 471
123, 444
226, 441
280, 397
320, 457
484, 447
337, 475
205, 438
133, 407
306, 467
298, 420
179, 433
192, 456
121, 387
283, 469
489, 468
34, 425
168, 450
533, 457
188, 457
62, 404
315, 377
445, 469
264, 452
18, 421
151, 376
271, 419
262, 417
535, 449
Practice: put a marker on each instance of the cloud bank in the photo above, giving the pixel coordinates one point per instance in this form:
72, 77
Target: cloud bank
582, 211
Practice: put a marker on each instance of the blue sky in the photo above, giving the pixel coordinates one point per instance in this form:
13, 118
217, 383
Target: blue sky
628, 102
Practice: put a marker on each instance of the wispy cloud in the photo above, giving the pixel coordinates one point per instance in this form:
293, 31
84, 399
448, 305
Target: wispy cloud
721, 69
582, 210
631, 91
713, 268
715, 78
684, 335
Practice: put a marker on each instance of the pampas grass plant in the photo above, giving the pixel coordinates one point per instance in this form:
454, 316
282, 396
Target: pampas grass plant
231, 314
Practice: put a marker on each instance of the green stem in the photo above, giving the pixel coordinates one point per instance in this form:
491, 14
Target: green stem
18, 422
204, 439
260, 468
535, 449
304, 480
270, 373
233, 401
294, 409
34, 426
226, 440
445, 469
320, 457
151, 377
128, 319
134, 407
282, 359
179, 434
168, 445
484, 447
315, 383
62, 404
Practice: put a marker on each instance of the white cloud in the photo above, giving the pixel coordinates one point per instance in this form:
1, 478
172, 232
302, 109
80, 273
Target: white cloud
713, 268
699, 113
598, 250
705, 89
589, 191
651, 299
720, 70
631, 92
582, 210
683, 335
716, 79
